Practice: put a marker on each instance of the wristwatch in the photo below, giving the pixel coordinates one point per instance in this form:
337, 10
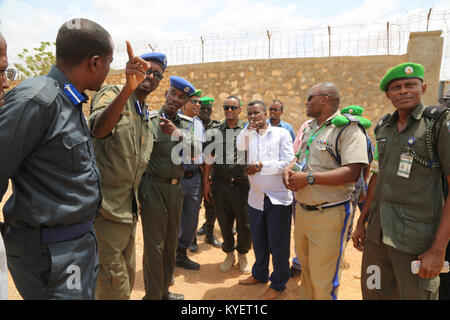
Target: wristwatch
258, 166
310, 178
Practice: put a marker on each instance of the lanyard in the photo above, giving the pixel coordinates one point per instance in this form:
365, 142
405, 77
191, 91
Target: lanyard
311, 139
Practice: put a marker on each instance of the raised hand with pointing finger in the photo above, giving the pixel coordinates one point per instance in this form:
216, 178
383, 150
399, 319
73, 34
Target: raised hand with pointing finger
135, 70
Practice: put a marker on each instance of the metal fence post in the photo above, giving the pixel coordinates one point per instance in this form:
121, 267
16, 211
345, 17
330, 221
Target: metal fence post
203, 49
269, 35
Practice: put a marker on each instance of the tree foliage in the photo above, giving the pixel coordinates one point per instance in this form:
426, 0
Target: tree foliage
36, 63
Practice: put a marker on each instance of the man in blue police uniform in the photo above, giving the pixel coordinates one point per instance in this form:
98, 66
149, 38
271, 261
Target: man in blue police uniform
47, 152
191, 184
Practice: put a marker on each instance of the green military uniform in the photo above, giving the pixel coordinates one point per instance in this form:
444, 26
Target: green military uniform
230, 187
402, 226
210, 206
122, 158
161, 200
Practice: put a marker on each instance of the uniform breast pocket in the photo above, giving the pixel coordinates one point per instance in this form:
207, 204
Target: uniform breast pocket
76, 146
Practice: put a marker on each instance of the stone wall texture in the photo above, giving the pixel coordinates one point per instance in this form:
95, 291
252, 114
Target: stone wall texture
290, 79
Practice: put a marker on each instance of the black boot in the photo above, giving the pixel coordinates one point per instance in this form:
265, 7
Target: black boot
193, 247
211, 239
202, 230
183, 261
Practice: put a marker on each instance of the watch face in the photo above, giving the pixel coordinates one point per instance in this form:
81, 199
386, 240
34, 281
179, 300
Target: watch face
310, 179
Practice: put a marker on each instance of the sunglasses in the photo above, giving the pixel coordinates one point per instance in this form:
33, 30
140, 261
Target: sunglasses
195, 101
318, 95
205, 108
9, 73
274, 109
156, 74
230, 107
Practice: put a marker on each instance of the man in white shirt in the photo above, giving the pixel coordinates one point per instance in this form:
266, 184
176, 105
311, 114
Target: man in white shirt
270, 203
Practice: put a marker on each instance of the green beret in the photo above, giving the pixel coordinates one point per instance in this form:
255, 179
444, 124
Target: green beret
354, 110
197, 93
402, 71
207, 101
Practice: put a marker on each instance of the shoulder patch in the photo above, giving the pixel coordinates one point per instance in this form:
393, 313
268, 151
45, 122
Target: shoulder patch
182, 116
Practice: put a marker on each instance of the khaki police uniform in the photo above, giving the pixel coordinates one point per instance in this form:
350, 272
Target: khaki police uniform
122, 158
405, 213
320, 234
161, 200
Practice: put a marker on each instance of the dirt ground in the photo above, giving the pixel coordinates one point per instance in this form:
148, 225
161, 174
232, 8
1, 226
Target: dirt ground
210, 284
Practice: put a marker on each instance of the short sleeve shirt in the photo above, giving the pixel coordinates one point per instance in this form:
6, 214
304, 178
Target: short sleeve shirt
352, 146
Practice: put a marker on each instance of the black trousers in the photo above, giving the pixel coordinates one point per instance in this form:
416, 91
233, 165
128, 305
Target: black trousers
232, 205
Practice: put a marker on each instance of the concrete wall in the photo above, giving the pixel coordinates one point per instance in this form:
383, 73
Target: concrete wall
290, 79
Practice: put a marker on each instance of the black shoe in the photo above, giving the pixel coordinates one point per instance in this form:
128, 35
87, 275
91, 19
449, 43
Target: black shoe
193, 247
173, 296
213, 241
202, 230
293, 272
186, 263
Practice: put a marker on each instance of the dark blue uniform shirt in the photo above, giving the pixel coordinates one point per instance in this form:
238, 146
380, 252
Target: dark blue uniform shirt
46, 150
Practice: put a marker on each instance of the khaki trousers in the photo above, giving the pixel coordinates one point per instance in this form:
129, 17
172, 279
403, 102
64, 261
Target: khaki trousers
117, 253
320, 243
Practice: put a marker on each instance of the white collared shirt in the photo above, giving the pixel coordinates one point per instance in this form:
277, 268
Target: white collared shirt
274, 149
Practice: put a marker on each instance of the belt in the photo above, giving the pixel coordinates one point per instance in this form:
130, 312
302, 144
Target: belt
161, 179
232, 181
322, 206
56, 234
190, 174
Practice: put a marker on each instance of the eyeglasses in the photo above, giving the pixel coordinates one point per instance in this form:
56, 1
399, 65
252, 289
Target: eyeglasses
195, 101
9, 73
230, 107
318, 95
205, 108
156, 74
274, 109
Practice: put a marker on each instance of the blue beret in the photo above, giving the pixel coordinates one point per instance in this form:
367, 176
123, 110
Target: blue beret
182, 84
159, 58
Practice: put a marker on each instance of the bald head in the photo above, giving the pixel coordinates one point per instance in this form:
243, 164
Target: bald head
332, 92
4, 84
2, 45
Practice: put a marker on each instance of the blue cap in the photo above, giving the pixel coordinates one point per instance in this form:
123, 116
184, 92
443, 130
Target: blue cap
182, 84
159, 58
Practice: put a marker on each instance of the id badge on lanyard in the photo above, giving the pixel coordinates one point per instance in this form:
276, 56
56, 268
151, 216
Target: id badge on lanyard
405, 164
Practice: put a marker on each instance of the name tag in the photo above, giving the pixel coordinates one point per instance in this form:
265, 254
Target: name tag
405, 165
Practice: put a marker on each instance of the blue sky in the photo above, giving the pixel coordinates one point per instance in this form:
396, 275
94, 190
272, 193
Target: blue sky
26, 23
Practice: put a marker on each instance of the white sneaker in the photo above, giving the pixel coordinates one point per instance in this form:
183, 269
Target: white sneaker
228, 262
243, 264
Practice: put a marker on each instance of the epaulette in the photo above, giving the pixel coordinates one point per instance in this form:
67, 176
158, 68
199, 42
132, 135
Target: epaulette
382, 123
43, 90
182, 116
434, 112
